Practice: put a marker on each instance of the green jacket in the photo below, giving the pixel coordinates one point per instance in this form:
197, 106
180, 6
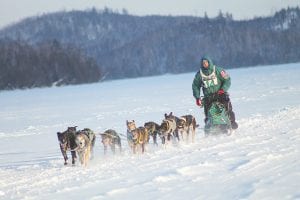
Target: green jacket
210, 80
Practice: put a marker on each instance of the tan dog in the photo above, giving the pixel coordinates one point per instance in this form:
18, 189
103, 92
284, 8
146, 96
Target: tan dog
140, 139
187, 126
85, 140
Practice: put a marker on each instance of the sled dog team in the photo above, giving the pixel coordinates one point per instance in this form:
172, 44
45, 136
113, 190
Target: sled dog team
171, 129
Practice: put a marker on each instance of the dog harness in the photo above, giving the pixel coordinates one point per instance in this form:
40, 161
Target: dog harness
129, 135
141, 138
209, 80
183, 118
180, 125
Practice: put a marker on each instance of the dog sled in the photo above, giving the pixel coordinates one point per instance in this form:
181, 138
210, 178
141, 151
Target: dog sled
218, 120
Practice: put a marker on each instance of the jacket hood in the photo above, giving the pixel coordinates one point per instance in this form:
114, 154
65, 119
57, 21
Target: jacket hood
210, 67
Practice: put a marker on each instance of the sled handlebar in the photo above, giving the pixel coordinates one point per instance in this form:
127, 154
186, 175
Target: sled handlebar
214, 97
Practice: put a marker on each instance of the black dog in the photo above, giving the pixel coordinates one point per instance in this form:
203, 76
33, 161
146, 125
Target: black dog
67, 143
153, 130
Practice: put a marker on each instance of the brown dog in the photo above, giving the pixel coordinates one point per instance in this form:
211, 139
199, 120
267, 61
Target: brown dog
172, 117
153, 130
111, 138
167, 129
187, 126
140, 139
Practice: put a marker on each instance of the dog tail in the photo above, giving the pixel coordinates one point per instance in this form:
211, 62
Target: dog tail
195, 123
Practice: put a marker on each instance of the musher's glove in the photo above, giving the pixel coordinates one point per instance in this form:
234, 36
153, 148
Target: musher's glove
221, 92
198, 102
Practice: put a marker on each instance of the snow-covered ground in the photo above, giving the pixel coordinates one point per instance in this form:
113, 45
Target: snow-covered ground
261, 160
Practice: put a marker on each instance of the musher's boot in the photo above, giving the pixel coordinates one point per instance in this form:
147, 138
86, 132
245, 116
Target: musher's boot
234, 125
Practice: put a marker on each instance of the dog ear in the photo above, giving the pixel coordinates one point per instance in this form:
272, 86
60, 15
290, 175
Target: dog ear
72, 128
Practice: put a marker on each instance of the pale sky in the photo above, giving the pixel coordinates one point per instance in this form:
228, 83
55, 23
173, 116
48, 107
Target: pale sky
12, 11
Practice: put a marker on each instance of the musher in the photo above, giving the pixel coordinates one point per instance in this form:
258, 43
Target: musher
214, 81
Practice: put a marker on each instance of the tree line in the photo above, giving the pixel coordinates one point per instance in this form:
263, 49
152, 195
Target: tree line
49, 63
122, 45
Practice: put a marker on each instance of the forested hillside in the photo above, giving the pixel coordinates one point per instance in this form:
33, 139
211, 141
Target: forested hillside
130, 46
46, 64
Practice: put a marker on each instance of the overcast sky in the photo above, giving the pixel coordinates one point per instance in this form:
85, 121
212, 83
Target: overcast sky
14, 10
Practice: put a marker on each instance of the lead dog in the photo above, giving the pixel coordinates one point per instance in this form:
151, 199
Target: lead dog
85, 140
111, 138
67, 142
153, 130
186, 126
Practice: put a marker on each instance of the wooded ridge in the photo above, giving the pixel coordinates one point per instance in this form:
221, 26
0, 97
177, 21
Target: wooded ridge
85, 46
